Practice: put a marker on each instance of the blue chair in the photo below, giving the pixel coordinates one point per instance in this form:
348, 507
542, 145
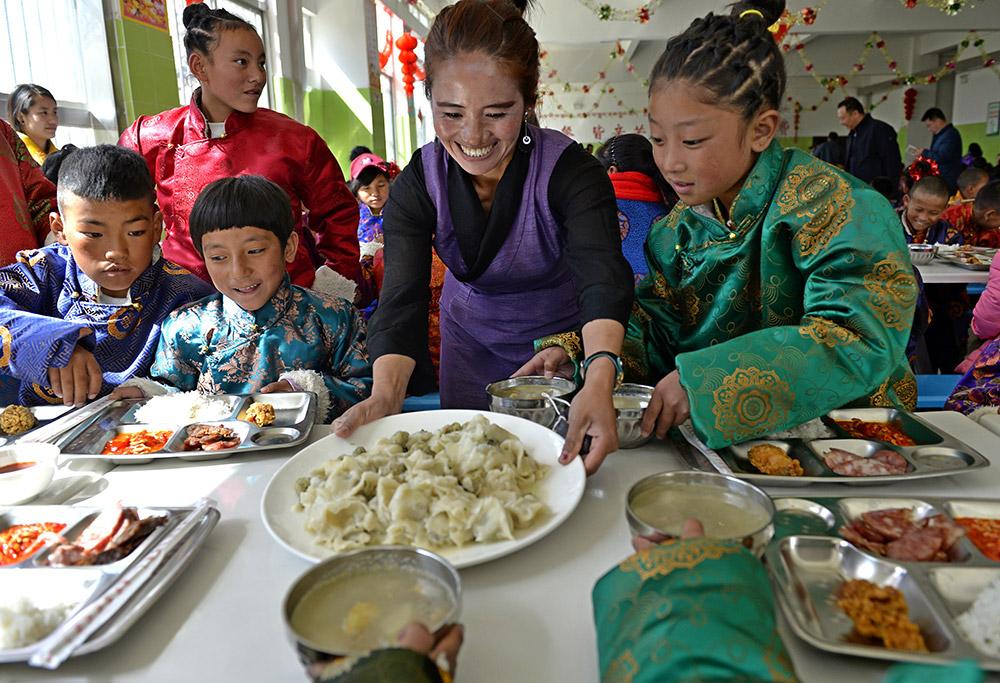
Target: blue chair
412, 404
974, 288
934, 390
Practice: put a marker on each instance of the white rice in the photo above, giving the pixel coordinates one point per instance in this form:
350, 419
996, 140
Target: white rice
22, 622
187, 406
813, 429
980, 622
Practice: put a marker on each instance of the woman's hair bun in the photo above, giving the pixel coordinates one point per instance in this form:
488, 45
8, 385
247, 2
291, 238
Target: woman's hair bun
521, 5
194, 13
770, 9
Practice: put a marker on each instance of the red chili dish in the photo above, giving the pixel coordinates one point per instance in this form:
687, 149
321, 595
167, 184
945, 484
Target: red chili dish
16, 467
21, 541
984, 534
890, 432
136, 443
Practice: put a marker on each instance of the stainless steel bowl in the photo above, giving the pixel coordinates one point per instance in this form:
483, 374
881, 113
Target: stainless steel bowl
730, 490
539, 409
629, 416
922, 254
402, 558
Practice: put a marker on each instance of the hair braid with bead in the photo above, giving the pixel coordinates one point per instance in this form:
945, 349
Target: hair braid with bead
732, 58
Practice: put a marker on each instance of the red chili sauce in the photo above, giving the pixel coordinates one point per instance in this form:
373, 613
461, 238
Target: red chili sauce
21, 541
890, 432
136, 443
16, 467
984, 533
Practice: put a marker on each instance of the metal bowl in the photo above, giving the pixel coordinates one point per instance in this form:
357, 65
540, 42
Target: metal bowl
537, 408
712, 489
630, 405
357, 562
922, 254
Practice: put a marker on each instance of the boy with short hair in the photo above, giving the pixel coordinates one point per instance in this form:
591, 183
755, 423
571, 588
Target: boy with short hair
959, 214
921, 213
81, 316
260, 332
979, 219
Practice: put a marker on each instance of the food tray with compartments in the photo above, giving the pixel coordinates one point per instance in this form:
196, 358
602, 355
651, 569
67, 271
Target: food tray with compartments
294, 414
44, 415
78, 586
808, 562
934, 454
971, 258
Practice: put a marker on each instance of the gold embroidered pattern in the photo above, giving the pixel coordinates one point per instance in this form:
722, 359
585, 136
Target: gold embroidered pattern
827, 332
45, 393
622, 670
5, 354
174, 269
823, 198
124, 320
569, 341
906, 391
30, 257
892, 291
691, 307
662, 559
748, 399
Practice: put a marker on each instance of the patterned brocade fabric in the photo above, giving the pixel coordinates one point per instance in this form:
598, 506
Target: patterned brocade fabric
692, 610
803, 306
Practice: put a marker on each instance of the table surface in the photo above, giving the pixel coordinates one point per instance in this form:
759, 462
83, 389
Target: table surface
938, 271
528, 615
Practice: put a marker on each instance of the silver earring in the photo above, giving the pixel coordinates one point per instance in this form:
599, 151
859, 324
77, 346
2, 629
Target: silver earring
526, 140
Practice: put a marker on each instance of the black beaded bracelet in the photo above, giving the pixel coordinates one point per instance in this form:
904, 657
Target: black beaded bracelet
619, 372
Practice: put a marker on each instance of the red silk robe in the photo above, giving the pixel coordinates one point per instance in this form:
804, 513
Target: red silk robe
183, 160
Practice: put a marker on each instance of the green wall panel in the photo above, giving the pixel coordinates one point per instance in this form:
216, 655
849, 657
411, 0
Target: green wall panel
330, 116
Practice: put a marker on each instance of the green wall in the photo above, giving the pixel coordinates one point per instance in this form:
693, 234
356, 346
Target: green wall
142, 70
328, 114
976, 132
802, 143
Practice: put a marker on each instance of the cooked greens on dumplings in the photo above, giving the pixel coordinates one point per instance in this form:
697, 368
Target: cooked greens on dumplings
460, 484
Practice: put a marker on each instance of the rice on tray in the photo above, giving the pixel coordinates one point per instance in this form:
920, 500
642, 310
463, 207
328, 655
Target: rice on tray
22, 622
981, 623
186, 406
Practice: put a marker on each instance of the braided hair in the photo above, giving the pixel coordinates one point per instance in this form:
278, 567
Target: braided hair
732, 58
204, 24
631, 152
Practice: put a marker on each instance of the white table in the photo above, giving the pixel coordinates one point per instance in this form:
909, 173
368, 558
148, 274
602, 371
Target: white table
528, 616
938, 271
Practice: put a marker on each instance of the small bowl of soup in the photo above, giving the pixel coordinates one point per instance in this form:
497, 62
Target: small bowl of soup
728, 508
630, 405
527, 397
25, 471
360, 600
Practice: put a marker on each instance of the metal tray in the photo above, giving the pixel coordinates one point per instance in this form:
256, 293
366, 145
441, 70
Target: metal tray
44, 415
294, 414
807, 569
85, 584
936, 453
957, 259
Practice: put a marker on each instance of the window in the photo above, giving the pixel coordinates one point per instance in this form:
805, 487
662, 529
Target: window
78, 74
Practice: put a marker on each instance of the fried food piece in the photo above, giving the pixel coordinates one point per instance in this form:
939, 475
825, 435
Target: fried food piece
17, 419
360, 617
261, 414
881, 613
770, 459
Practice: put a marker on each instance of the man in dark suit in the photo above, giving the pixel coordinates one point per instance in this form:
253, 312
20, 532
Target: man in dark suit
872, 149
946, 146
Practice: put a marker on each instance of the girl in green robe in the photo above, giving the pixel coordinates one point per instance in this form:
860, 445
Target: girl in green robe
780, 287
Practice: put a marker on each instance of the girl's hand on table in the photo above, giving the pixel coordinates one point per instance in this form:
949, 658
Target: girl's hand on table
445, 641
367, 411
592, 413
691, 528
127, 392
273, 387
667, 408
79, 380
550, 362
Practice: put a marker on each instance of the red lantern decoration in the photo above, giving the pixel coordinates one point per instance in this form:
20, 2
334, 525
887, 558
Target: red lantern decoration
407, 60
909, 102
386, 52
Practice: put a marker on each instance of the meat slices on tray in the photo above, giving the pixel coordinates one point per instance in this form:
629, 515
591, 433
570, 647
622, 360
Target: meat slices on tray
894, 533
210, 438
850, 465
113, 535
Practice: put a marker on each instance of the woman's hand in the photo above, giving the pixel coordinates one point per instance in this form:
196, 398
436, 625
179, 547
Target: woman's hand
691, 528
668, 407
445, 641
367, 411
592, 414
390, 375
550, 362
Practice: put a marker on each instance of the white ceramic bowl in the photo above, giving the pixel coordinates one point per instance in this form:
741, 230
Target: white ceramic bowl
922, 254
22, 485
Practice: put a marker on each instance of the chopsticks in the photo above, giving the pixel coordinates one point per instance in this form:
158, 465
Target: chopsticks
59, 645
713, 458
66, 422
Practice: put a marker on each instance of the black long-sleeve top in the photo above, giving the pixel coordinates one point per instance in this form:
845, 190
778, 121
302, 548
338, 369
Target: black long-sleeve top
582, 200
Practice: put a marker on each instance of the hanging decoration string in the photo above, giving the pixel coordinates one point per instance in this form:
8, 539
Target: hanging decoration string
950, 7
643, 13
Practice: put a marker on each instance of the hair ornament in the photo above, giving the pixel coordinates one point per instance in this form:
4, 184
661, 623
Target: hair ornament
751, 11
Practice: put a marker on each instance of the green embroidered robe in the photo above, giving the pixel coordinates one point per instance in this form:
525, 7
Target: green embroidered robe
802, 304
